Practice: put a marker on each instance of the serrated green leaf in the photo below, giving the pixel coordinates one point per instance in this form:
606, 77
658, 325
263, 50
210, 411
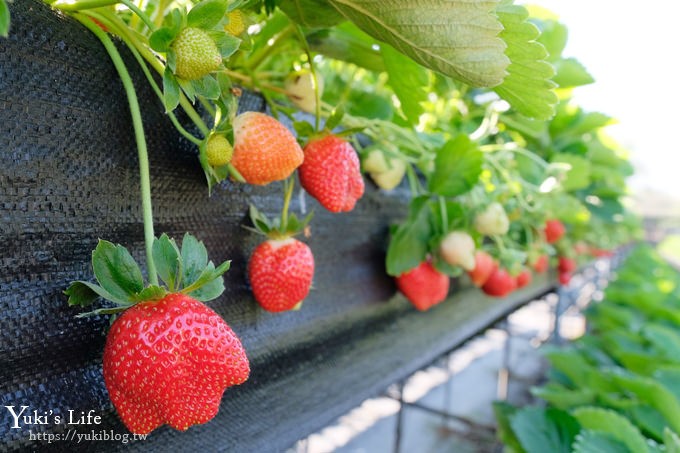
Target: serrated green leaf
348, 43
4, 19
454, 37
167, 258
207, 14
409, 244
194, 259
544, 430
312, 13
527, 87
665, 340
564, 398
612, 424
571, 73
116, 270
151, 292
504, 413
161, 39
408, 80
596, 442
458, 165
553, 37
171, 93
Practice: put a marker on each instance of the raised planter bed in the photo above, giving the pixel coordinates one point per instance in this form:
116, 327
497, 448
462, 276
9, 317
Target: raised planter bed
68, 176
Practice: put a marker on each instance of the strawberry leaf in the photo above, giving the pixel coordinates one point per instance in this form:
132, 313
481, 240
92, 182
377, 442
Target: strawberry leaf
116, 270
168, 261
207, 14
409, 244
227, 44
4, 19
407, 78
335, 118
194, 259
207, 87
458, 165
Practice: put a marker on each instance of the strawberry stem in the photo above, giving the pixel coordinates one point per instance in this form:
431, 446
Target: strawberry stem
144, 176
444, 213
288, 186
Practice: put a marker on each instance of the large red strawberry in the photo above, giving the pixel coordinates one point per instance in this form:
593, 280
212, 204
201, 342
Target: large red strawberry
281, 272
485, 265
331, 173
500, 283
264, 150
554, 230
169, 361
424, 286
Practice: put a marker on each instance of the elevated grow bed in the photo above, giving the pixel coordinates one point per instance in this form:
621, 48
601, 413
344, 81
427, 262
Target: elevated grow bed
68, 176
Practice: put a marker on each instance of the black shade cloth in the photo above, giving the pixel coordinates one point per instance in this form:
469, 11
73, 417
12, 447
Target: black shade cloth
69, 175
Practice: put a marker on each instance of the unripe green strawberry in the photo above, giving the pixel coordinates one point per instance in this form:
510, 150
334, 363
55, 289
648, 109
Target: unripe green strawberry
170, 361
218, 150
280, 273
493, 220
196, 53
458, 249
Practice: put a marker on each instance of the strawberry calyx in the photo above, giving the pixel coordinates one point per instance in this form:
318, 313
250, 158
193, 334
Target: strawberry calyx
119, 277
277, 228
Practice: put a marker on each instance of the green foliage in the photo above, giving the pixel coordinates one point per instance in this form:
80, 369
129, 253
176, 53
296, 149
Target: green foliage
621, 382
4, 19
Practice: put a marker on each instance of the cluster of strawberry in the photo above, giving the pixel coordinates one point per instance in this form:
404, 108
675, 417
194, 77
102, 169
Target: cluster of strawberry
281, 269
425, 286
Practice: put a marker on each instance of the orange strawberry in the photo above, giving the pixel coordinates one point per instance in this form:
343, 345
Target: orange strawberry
264, 150
331, 173
280, 273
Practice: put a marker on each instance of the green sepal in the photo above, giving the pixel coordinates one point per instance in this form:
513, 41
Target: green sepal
335, 118
175, 21
4, 19
166, 257
151, 292
273, 228
213, 175
303, 129
162, 39
207, 87
171, 90
171, 60
116, 270
227, 44
85, 293
188, 88
208, 274
207, 14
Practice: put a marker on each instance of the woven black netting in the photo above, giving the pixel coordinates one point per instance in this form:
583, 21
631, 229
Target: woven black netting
69, 175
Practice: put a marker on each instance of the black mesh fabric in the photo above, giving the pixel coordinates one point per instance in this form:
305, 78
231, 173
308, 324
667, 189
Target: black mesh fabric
69, 175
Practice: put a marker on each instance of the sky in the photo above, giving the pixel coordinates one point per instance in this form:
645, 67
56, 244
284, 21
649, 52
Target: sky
632, 50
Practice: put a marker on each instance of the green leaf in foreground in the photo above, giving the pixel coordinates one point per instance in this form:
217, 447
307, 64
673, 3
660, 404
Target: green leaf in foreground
613, 424
312, 13
207, 13
541, 430
571, 73
4, 19
407, 78
458, 165
527, 87
457, 38
409, 244
597, 442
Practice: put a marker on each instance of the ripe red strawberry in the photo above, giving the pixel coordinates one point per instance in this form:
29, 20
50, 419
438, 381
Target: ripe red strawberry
523, 278
499, 284
331, 173
196, 54
541, 264
169, 361
264, 150
564, 278
554, 230
280, 273
485, 265
566, 264
424, 286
